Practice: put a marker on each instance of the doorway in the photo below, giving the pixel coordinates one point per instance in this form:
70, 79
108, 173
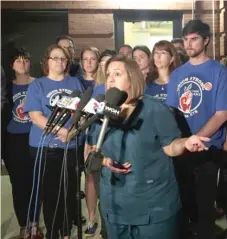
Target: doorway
146, 27
147, 32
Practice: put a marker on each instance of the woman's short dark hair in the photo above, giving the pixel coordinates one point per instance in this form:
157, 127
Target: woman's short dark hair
59, 38
107, 52
19, 52
125, 45
143, 48
177, 40
46, 56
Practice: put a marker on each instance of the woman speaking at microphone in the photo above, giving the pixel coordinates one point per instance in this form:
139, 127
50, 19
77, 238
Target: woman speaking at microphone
138, 190
41, 93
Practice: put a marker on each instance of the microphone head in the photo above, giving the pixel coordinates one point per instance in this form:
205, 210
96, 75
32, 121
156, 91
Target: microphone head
64, 94
86, 96
114, 96
75, 93
84, 100
100, 98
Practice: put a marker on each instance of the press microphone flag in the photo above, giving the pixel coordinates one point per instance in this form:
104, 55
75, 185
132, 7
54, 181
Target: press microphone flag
58, 112
94, 111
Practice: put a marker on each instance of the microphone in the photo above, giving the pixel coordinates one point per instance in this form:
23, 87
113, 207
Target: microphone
79, 111
55, 111
68, 104
58, 112
53, 104
114, 98
85, 120
95, 105
94, 113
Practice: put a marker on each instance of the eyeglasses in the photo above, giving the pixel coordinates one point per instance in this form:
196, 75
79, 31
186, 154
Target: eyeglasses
58, 59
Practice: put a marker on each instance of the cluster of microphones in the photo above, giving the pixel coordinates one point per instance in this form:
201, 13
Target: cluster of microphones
84, 111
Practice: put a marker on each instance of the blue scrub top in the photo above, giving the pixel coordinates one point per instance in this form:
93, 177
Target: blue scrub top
149, 194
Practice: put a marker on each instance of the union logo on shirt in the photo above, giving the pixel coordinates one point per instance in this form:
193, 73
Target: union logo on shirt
55, 95
186, 100
190, 93
18, 112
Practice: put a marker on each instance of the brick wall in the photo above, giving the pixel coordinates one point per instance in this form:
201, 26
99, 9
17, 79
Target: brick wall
91, 22
100, 4
223, 30
91, 29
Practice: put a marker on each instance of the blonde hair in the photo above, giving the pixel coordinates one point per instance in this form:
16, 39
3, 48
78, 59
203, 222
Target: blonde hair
134, 74
97, 54
99, 77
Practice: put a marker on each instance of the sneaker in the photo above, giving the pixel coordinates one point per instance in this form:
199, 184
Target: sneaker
91, 229
220, 213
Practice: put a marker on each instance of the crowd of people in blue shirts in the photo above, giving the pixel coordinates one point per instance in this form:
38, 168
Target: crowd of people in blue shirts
174, 166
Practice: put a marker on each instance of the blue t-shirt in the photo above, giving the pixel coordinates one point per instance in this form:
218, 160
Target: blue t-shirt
20, 122
199, 91
157, 91
42, 92
99, 90
86, 83
149, 193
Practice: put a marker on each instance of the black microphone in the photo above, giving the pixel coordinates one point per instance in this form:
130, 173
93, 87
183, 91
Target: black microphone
55, 111
79, 111
114, 98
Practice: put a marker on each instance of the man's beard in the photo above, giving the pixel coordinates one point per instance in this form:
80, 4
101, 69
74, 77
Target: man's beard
193, 53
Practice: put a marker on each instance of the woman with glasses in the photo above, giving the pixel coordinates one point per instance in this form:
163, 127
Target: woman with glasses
68, 44
164, 59
41, 94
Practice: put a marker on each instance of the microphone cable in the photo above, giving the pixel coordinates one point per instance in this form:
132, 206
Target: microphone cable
64, 173
42, 177
66, 187
41, 142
